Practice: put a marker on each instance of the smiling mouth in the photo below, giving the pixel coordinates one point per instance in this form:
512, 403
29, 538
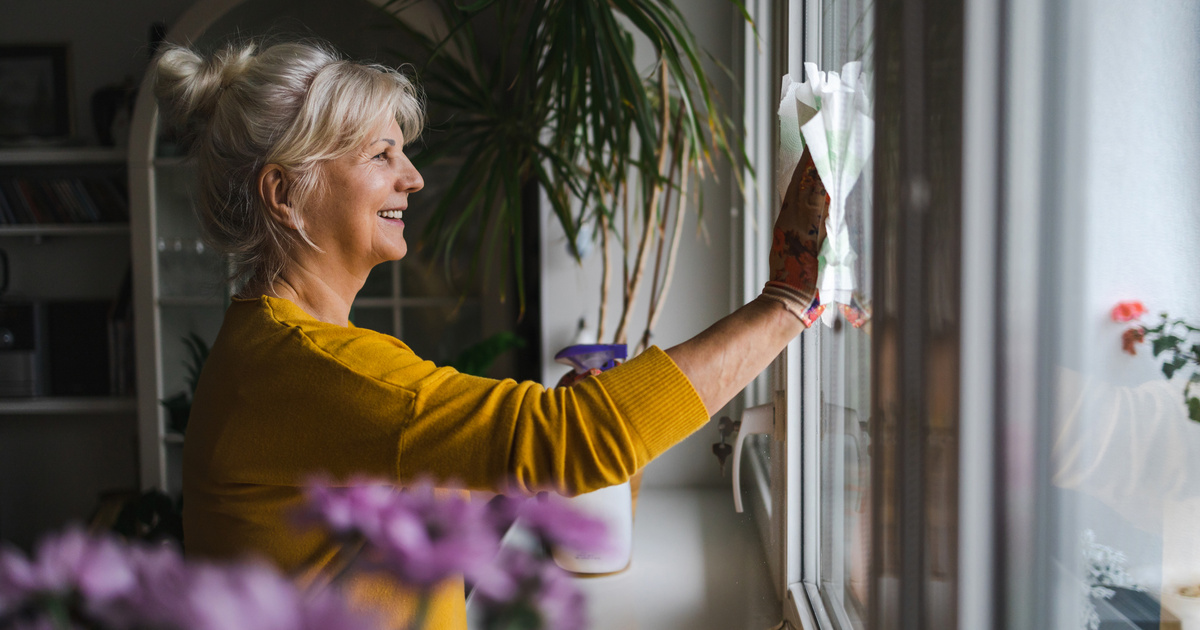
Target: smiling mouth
391, 214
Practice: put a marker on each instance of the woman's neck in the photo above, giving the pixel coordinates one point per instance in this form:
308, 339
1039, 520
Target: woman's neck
325, 301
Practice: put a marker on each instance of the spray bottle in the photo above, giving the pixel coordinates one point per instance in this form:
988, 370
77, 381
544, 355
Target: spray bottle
612, 505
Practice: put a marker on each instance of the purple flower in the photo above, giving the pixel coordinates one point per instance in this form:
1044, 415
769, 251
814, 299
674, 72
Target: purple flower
413, 534
96, 568
232, 598
554, 521
110, 584
355, 509
255, 596
163, 583
528, 587
16, 575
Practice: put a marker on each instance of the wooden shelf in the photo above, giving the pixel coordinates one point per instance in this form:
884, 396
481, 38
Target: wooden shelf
68, 404
389, 302
173, 162
78, 229
61, 155
191, 301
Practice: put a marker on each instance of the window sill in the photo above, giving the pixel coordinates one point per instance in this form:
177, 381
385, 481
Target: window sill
696, 565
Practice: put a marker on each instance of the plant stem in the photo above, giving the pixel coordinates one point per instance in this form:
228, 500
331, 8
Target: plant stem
651, 208
655, 300
422, 611
607, 276
656, 305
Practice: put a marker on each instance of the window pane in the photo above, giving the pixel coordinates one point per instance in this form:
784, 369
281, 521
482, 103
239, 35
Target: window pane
441, 333
379, 319
1124, 474
843, 347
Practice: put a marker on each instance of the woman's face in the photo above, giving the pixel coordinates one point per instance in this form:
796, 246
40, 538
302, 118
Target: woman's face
357, 217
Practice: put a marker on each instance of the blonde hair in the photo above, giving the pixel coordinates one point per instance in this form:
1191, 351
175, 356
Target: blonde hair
297, 105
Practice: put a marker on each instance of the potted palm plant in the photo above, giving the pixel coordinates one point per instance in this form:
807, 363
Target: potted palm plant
547, 93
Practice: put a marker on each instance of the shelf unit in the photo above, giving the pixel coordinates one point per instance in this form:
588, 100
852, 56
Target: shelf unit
54, 156
63, 262
73, 405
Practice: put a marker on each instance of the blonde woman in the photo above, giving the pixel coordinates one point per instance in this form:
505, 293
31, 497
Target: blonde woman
304, 182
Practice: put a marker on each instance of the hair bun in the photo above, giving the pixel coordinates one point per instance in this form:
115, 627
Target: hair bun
189, 86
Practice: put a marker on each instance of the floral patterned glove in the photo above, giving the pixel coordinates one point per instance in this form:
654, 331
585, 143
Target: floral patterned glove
796, 241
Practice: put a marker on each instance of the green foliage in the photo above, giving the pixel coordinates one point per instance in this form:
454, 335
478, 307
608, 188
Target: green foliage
1177, 344
197, 355
179, 405
547, 91
477, 359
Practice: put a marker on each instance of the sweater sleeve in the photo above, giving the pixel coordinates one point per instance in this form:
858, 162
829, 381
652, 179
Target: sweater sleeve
506, 435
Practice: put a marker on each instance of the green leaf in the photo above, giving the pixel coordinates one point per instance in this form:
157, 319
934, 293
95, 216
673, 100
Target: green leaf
1193, 405
1169, 369
197, 355
1166, 342
479, 357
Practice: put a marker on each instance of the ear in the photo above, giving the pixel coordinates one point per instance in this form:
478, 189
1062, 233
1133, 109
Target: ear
273, 189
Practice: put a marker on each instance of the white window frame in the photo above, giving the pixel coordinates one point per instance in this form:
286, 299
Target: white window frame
788, 514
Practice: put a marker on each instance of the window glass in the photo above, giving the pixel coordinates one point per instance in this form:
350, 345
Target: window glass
1124, 474
842, 345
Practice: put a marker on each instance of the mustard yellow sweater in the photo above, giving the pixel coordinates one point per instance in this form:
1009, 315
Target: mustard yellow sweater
283, 397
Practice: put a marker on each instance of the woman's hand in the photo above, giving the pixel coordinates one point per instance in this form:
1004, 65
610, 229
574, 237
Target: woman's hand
721, 360
796, 242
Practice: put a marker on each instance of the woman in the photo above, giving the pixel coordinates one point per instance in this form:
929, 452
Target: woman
304, 182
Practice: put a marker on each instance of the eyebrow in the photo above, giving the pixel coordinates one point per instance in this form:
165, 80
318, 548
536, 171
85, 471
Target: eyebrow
387, 140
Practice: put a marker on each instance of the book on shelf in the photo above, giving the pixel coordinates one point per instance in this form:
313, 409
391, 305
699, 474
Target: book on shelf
62, 200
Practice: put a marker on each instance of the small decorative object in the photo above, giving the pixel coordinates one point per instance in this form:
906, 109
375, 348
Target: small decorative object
1106, 572
112, 109
35, 103
1174, 341
179, 406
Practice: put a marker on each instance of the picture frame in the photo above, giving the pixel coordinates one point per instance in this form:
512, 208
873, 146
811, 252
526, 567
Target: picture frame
35, 94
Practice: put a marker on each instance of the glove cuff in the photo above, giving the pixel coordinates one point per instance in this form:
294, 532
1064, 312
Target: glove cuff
806, 308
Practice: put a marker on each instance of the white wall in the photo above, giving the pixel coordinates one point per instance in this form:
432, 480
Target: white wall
700, 292
1130, 85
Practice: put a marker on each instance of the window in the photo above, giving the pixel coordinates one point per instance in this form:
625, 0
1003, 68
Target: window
810, 479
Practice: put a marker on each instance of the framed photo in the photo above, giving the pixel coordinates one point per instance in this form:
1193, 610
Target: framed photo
35, 100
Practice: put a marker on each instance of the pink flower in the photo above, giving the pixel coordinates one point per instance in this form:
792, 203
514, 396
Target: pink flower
1128, 311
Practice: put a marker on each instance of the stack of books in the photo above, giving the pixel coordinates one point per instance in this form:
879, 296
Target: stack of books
62, 200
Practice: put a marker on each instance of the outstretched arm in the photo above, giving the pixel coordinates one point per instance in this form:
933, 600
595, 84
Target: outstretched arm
723, 359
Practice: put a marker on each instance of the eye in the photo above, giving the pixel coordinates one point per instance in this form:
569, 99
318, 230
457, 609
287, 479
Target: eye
382, 155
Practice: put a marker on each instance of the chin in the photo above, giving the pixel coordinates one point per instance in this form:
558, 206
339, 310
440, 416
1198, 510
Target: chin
396, 253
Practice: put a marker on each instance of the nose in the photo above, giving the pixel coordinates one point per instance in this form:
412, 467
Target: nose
408, 179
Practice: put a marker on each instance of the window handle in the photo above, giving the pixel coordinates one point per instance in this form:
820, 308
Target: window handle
760, 419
